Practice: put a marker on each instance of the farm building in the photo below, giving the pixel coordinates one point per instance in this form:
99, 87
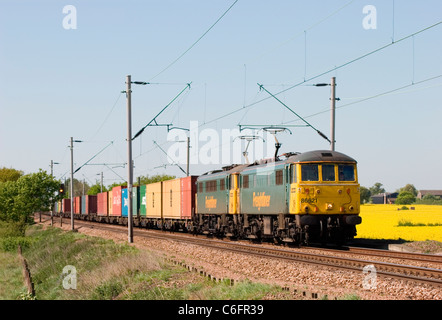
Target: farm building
423, 193
384, 198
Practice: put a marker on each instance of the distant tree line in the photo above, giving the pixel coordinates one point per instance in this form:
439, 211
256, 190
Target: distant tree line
406, 195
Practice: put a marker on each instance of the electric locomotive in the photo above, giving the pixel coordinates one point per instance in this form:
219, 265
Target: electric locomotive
306, 197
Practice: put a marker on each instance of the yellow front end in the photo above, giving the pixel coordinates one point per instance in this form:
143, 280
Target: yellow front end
325, 189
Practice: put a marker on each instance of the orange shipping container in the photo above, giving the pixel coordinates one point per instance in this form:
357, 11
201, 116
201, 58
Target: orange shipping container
102, 204
172, 199
188, 190
153, 200
77, 205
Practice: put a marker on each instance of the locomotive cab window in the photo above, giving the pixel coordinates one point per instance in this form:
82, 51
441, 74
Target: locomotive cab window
346, 172
245, 182
309, 172
222, 184
279, 177
328, 172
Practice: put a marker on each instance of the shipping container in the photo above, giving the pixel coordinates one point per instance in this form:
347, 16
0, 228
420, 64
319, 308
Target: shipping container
188, 190
125, 202
171, 199
110, 200
142, 200
135, 201
83, 205
58, 207
66, 205
116, 201
90, 204
153, 200
102, 207
77, 205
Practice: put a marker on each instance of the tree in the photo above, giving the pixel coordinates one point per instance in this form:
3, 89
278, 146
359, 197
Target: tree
409, 188
9, 174
155, 178
377, 189
429, 197
405, 197
78, 188
30, 193
95, 189
365, 194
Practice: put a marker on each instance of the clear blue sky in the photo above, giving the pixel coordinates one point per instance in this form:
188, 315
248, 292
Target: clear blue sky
56, 83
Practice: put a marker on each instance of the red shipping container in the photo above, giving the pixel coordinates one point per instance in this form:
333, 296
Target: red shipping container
77, 205
66, 203
91, 204
116, 201
102, 208
188, 190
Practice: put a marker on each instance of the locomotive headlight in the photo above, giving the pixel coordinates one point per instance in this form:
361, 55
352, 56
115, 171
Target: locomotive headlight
329, 206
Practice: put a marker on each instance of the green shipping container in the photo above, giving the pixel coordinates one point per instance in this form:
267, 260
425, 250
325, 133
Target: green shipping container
142, 197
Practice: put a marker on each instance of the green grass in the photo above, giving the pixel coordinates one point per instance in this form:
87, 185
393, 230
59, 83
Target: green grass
407, 223
106, 270
11, 277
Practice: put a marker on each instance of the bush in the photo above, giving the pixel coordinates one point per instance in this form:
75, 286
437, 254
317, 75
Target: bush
405, 197
10, 244
12, 229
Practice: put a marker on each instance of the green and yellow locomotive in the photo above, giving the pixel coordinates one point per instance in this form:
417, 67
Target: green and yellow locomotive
308, 197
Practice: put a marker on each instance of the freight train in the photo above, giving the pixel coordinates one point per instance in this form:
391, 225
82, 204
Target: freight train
306, 197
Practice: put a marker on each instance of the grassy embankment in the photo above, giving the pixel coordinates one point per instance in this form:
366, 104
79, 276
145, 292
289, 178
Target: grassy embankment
106, 270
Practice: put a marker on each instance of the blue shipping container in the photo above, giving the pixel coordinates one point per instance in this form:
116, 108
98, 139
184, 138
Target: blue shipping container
83, 205
124, 198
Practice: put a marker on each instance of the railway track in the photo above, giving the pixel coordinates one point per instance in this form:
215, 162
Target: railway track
422, 275
420, 257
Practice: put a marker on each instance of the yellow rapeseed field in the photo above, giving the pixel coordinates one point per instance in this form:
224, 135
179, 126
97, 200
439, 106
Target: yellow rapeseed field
380, 221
